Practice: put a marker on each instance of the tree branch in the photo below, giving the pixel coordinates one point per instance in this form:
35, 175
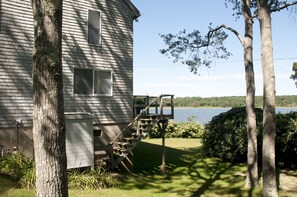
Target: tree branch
228, 28
284, 7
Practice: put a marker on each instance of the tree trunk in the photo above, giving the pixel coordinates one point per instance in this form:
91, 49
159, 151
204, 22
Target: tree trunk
252, 155
269, 133
48, 102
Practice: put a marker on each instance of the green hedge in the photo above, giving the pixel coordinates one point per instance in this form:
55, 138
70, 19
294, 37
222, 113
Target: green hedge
225, 137
286, 140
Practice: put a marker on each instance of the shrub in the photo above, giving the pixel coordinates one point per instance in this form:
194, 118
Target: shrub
90, 179
179, 130
22, 167
155, 133
28, 180
187, 130
286, 140
225, 135
16, 164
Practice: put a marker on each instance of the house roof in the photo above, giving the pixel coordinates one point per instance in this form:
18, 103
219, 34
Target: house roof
134, 10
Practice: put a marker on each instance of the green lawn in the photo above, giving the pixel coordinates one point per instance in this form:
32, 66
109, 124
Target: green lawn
188, 174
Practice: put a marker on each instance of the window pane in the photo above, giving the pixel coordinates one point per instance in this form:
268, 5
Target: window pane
103, 82
83, 81
93, 27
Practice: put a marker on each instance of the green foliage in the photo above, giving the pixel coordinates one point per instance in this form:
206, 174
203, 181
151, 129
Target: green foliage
202, 48
179, 130
286, 140
22, 167
155, 133
185, 166
16, 164
231, 101
90, 179
28, 180
225, 135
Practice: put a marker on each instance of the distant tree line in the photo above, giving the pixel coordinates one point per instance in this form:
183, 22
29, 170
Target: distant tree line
231, 101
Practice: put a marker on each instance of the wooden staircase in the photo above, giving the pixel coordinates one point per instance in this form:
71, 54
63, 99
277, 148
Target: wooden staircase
148, 111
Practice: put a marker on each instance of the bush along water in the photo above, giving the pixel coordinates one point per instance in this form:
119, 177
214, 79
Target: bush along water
179, 130
225, 137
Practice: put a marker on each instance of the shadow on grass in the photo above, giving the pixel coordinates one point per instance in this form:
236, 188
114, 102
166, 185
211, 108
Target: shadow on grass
7, 182
188, 173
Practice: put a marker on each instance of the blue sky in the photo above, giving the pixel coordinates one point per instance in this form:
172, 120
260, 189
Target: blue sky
155, 74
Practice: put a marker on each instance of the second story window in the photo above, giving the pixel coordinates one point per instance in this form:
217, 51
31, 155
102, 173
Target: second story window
94, 27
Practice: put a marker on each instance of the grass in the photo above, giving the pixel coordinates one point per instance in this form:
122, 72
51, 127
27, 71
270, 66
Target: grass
188, 174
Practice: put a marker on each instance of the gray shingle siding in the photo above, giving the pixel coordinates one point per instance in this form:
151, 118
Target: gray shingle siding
115, 53
16, 38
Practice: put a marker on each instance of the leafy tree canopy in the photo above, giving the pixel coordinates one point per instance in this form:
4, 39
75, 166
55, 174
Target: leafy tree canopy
194, 49
202, 48
275, 6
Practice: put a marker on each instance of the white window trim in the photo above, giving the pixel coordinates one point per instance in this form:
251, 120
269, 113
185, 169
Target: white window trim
93, 82
100, 26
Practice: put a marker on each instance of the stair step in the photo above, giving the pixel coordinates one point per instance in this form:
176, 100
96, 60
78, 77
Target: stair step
101, 155
134, 135
124, 144
146, 128
146, 122
130, 139
100, 163
120, 151
152, 116
100, 152
102, 159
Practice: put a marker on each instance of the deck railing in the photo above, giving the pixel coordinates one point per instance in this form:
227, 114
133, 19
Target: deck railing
144, 105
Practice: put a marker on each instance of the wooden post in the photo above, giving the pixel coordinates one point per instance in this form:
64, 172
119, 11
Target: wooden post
162, 124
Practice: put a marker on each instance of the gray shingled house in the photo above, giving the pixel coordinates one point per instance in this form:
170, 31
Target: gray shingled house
97, 64
97, 59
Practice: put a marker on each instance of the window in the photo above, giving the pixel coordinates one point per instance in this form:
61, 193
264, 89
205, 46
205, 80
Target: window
94, 27
93, 82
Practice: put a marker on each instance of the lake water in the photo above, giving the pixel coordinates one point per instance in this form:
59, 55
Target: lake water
204, 115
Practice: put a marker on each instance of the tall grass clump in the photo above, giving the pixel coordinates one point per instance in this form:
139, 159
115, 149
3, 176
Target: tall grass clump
20, 167
16, 164
90, 179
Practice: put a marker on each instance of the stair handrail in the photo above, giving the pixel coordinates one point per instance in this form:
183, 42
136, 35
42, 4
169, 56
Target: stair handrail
137, 117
